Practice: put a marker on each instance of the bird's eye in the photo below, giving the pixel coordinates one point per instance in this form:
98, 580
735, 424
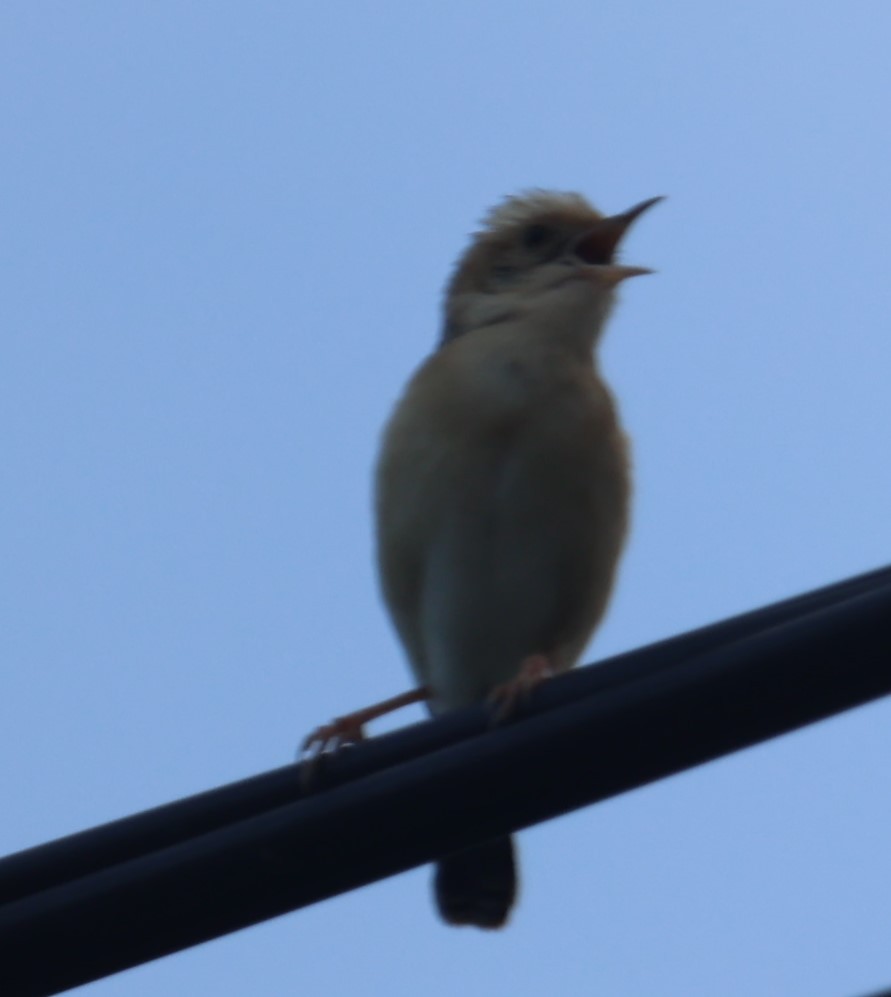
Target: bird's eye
535, 236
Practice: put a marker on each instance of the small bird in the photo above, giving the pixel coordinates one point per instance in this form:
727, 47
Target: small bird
503, 487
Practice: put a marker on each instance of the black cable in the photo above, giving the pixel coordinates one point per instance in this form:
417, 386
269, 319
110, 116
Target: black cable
110, 898
89, 851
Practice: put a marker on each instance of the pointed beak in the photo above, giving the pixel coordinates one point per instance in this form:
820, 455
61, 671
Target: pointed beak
614, 273
598, 245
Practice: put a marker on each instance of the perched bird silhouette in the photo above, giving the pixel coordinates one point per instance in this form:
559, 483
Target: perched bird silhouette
502, 488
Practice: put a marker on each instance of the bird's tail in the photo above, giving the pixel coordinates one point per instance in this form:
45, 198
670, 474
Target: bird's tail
477, 886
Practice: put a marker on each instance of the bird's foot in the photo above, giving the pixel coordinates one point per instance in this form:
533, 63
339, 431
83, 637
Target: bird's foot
342, 731
328, 739
506, 697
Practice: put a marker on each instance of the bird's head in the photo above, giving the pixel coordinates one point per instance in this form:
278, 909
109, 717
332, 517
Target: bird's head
544, 257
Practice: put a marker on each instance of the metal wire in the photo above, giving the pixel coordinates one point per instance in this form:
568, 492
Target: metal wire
101, 901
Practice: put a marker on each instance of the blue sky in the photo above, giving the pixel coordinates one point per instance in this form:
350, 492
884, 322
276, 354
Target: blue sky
225, 230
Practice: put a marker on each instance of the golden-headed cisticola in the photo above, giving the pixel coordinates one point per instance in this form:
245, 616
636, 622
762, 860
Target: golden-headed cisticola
502, 487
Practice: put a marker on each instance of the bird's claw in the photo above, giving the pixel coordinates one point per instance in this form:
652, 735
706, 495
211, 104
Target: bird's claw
506, 697
331, 737
327, 740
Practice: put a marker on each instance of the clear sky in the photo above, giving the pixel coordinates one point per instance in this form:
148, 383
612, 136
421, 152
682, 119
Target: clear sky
224, 231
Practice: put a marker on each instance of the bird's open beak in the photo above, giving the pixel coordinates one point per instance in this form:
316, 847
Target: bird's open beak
598, 245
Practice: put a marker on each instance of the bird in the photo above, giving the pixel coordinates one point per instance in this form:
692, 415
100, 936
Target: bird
502, 489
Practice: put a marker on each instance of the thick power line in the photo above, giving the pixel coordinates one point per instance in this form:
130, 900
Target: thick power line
115, 896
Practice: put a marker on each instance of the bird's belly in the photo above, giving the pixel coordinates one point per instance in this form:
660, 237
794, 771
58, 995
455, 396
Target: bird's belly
522, 563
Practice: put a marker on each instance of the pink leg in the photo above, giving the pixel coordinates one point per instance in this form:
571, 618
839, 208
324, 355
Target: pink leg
507, 697
349, 729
